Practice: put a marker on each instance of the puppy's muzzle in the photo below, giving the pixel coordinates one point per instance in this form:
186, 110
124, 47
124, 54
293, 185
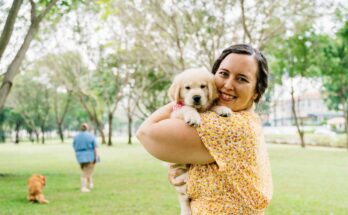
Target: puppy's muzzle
196, 100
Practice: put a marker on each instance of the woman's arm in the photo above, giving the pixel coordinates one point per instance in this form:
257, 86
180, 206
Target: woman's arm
172, 140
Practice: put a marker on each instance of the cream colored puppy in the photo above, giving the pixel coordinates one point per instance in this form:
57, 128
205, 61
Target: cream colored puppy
193, 91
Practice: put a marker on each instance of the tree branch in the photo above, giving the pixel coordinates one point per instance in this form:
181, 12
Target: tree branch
8, 27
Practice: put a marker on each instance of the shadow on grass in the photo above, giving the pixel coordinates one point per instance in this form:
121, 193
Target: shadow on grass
7, 175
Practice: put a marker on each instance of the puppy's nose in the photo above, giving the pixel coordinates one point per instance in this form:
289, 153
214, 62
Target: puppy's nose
196, 99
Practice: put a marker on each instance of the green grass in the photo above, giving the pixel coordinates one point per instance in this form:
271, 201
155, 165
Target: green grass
129, 181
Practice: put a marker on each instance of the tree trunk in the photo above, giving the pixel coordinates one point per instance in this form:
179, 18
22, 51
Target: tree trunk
31, 139
110, 119
8, 27
60, 120
60, 131
93, 117
37, 136
2, 135
245, 28
293, 108
13, 68
130, 119
101, 132
43, 134
17, 127
130, 122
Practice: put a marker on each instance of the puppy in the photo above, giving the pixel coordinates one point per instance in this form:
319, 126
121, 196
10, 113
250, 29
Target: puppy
193, 91
35, 187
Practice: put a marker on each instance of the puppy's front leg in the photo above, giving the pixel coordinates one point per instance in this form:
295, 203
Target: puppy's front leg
191, 116
222, 110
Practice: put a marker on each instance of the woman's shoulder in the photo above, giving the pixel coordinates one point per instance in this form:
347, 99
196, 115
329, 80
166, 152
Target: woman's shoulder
236, 117
242, 122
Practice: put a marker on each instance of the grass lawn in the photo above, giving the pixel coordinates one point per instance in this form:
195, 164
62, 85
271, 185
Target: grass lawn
129, 181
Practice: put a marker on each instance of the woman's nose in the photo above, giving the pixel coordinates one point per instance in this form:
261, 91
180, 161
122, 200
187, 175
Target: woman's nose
229, 84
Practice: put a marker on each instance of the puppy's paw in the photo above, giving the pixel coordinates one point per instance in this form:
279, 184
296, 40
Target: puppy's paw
222, 111
192, 119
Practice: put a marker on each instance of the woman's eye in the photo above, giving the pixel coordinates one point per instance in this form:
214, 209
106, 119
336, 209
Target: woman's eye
223, 73
203, 86
241, 79
187, 87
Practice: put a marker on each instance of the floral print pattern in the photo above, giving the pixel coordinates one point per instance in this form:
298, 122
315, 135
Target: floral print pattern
240, 180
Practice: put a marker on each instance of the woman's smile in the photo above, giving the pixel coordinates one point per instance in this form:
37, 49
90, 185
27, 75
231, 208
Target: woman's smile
227, 97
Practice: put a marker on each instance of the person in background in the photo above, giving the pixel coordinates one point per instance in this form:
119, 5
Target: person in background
85, 146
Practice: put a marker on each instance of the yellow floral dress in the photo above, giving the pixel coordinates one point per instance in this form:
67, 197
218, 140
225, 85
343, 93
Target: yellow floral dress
240, 180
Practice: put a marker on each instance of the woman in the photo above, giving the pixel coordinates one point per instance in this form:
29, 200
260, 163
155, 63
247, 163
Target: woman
230, 171
85, 147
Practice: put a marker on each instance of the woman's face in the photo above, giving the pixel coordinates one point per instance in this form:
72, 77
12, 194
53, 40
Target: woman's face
236, 81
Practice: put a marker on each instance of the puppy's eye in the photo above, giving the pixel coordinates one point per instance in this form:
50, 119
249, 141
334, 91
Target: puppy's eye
187, 87
203, 86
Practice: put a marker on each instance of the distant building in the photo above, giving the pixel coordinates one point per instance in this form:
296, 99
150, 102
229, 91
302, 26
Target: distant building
310, 107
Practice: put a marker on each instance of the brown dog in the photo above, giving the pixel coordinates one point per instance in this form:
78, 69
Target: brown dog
35, 187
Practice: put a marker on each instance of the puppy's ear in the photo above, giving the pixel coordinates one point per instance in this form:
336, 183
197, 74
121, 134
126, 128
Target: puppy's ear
174, 91
43, 180
213, 93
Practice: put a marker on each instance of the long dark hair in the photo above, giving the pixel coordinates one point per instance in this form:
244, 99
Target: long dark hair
262, 73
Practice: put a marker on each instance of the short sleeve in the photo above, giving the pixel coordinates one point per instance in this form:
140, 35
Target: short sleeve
222, 136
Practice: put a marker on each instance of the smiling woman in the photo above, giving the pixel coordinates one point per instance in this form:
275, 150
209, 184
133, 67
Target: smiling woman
230, 170
236, 81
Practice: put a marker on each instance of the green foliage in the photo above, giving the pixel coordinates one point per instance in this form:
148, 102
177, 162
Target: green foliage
109, 79
75, 117
62, 6
334, 70
155, 91
296, 56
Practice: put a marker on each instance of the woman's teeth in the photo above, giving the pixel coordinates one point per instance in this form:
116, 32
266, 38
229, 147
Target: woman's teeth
227, 97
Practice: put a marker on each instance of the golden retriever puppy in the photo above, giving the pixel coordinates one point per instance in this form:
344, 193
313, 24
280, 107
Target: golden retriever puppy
35, 187
193, 91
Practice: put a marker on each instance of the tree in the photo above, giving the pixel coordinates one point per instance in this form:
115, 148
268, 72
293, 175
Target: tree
111, 77
186, 33
60, 97
15, 121
8, 27
31, 99
139, 94
334, 72
152, 84
295, 58
71, 73
39, 11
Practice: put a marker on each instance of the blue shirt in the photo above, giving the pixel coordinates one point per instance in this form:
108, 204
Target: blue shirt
84, 144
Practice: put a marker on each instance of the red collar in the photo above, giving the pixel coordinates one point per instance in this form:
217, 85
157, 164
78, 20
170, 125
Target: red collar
178, 105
